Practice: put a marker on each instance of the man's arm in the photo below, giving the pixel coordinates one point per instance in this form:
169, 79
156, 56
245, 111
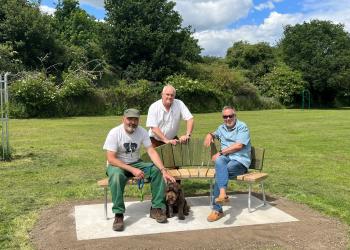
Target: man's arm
113, 160
231, 149
158, 162
209, 138
189, 129
235, 147
162, 137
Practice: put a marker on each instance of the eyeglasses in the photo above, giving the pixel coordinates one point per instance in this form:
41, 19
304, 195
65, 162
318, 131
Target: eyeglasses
228, 116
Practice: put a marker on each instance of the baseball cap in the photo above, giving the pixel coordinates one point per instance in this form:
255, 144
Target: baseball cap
132, 113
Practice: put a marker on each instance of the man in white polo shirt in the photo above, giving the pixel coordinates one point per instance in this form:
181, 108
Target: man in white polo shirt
164, 118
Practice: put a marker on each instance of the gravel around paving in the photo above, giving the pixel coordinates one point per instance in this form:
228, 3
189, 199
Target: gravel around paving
55, 229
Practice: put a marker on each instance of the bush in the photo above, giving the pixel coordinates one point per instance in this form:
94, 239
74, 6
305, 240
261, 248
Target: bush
283, 84
199, 96
93, 103
6, 155
78, 95
220, 75
76, 84
8, 59
34, 95
234, 87
139, 95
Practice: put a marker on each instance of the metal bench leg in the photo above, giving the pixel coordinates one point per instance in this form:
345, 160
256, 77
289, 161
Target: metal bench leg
106, 215
263, 192
249, 195
211, 194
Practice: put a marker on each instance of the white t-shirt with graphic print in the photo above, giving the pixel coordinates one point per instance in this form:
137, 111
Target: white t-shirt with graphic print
167, 122
127, 146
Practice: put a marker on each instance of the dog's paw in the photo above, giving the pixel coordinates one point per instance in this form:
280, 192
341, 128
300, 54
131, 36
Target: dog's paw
181, 217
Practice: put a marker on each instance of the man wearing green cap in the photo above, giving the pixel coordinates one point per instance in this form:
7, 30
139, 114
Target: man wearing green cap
123, 145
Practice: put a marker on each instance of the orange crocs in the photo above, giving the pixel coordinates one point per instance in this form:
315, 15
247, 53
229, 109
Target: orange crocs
214, 216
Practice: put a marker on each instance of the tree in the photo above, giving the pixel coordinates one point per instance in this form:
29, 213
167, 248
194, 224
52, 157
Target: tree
257, 59
145, 38
321, 51
79, 32
29, 33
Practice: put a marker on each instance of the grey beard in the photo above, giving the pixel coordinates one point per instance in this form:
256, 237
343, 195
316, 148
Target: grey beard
130, 130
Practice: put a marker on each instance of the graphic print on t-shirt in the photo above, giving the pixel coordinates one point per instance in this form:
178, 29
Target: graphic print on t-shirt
130, 147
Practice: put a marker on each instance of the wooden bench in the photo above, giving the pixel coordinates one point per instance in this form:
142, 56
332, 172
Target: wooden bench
193, 161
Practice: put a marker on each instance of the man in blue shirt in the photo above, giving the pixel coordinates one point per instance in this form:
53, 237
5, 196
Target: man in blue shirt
232, 160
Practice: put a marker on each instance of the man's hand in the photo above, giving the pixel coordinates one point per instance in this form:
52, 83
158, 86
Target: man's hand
139, 174
173, 141
208, 140
214, 157
167, 177
184, 138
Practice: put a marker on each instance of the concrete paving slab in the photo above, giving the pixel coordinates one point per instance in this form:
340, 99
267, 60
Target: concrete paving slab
92, 224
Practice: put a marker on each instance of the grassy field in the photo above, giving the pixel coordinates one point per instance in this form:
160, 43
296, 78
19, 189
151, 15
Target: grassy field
57, 160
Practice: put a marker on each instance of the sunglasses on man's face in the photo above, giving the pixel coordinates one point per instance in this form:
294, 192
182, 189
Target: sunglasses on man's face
228, 116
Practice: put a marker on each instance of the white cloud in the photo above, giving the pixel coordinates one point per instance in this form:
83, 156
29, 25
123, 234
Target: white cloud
210, 14
47, 9
216, 42
268, 5
335, 11
94, 3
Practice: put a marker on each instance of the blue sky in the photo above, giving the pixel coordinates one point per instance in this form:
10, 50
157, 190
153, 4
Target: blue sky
218, 24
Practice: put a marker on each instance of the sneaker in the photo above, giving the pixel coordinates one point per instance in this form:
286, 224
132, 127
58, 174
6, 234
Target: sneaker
222, 200
215, 215
118, 224
158, 215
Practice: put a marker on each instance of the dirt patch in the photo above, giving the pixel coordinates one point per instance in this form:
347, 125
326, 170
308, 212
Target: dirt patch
56, 230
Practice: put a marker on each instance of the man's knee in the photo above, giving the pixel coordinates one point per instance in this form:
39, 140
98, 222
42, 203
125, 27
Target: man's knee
220, 161
116, 176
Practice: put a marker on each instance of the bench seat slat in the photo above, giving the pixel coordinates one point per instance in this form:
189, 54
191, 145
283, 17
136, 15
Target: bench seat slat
252, 177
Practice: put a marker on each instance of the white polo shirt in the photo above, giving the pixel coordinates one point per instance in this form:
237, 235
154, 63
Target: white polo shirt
127, 146
167, 122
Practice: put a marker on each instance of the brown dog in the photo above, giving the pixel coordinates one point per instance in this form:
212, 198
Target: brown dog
175, 201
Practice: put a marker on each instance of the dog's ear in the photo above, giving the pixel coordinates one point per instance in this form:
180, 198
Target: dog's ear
177, 187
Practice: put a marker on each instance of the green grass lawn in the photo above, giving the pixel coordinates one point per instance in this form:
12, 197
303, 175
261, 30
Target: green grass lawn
57, 160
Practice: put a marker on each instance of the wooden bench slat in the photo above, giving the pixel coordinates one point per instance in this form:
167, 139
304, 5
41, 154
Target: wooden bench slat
211, 173
252, 177
193, 172
184, 173
103, 182
202, 172
174, 173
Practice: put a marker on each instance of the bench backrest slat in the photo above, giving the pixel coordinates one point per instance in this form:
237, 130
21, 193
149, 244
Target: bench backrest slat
177, 153
257, 157
167, 156
197, 152
186, 153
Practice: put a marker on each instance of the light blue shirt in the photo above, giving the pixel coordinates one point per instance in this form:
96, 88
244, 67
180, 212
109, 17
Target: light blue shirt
238, 134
